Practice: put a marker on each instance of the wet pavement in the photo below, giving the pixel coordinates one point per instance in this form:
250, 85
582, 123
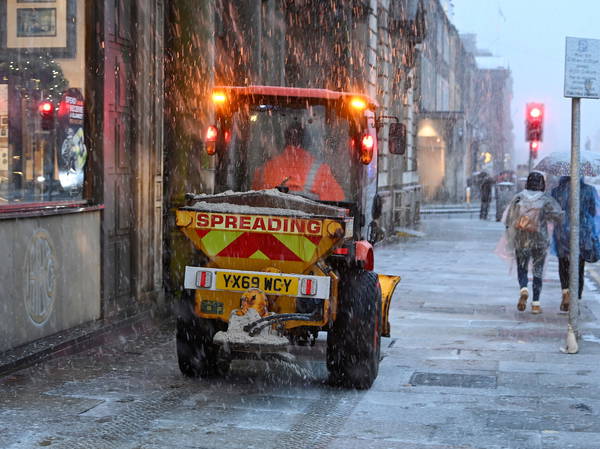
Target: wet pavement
463, 369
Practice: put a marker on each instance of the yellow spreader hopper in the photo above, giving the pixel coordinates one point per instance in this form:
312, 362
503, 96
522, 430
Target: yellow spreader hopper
294, 263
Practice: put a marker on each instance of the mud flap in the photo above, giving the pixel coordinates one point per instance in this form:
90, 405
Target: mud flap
388, 285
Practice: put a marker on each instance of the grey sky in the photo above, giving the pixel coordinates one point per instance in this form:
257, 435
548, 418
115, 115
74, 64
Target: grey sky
530, 34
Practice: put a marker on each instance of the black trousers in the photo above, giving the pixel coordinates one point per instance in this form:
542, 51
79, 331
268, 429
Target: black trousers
563, 272
483, 212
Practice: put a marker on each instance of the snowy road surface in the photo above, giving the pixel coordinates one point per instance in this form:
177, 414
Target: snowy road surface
463, 369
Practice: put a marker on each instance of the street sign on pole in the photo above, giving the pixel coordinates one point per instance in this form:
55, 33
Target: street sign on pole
582, 68
582, 80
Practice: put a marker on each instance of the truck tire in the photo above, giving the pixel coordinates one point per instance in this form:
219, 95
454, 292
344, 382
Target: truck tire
197, 355
354, 341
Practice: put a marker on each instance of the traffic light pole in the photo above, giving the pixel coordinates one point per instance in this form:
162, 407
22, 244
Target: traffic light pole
574, 229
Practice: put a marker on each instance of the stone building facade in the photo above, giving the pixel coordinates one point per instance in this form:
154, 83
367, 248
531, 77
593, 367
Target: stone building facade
401, 30
464, 123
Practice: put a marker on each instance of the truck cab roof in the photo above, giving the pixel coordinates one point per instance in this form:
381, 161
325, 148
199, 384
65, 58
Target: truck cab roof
298, 92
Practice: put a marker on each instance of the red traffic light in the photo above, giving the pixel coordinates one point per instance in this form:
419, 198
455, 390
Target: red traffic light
534, 112
46, 108
534, 120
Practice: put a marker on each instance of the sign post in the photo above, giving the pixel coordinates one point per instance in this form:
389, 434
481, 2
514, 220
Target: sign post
582, 80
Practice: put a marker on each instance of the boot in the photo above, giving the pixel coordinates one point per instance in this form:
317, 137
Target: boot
522, 304
535, 308
566, 298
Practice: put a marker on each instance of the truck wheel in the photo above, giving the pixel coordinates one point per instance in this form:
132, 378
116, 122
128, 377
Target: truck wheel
197, 355
354, 341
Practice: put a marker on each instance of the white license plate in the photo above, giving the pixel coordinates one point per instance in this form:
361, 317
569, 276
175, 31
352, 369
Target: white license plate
271, 283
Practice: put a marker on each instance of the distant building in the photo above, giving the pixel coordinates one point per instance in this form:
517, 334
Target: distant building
494, 149
463, 97
446, 74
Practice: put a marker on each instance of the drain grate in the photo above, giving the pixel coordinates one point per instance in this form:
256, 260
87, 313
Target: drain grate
321, 421
453, 380
129, 424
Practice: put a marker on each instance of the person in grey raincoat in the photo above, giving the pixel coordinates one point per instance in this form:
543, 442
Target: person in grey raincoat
589, 246
527, 218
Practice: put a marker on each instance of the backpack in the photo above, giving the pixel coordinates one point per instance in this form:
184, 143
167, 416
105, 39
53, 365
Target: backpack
528, 219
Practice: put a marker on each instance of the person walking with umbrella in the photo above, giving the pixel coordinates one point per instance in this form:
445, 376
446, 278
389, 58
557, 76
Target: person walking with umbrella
559, 164
589, 246
526, 220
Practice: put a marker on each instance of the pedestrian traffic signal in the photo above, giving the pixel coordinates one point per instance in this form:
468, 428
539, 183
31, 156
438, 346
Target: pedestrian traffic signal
534, 146
46, 110
534, 121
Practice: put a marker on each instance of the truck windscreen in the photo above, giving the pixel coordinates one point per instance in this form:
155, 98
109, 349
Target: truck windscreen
306, 148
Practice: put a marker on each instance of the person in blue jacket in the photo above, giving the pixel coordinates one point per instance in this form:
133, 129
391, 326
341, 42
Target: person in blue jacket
588, 234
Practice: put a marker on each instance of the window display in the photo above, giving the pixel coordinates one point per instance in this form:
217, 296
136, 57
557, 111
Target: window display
42, 106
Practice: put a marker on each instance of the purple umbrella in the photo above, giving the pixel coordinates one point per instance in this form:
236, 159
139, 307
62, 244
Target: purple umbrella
559, 163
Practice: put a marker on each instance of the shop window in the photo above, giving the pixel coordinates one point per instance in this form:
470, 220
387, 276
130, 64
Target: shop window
42, 81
